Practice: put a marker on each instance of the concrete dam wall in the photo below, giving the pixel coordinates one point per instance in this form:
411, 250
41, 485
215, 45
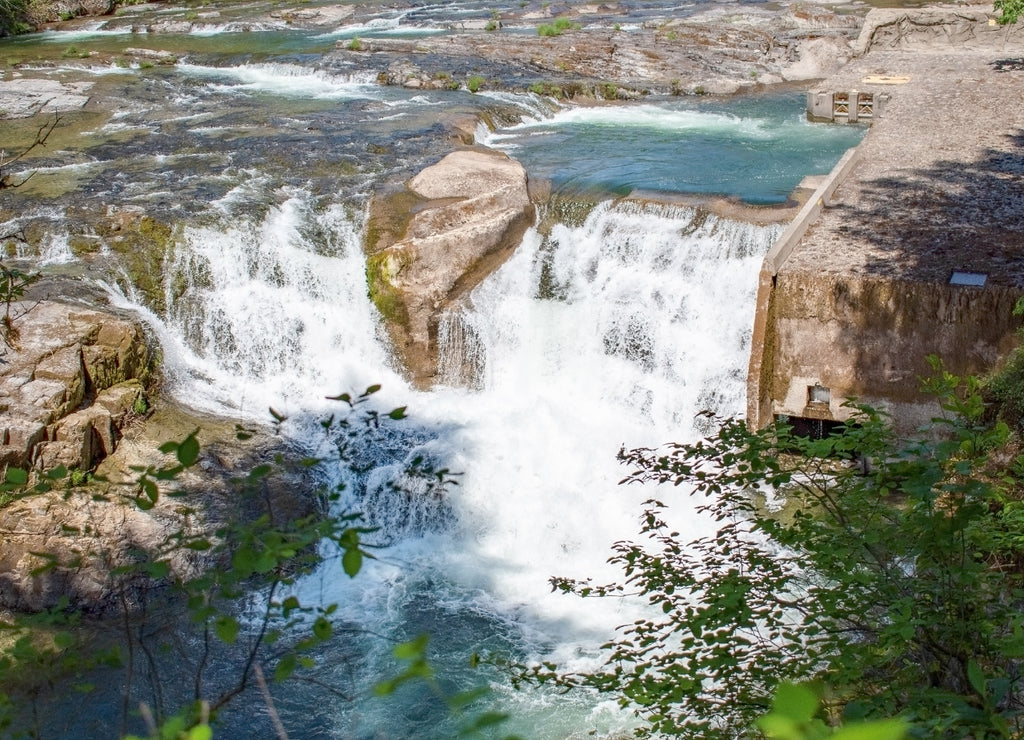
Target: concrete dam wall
914, 244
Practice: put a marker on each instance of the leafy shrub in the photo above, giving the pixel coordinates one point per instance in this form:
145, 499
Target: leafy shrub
12, 16
474, 83
884, 578
1009, 10
560, 26
547, 89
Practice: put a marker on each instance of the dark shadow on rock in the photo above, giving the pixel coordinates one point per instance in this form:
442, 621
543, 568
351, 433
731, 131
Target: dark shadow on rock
1008, 65
952, 216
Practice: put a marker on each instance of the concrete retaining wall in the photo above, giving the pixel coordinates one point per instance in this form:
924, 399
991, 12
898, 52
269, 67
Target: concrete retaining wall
759, 411
862, 336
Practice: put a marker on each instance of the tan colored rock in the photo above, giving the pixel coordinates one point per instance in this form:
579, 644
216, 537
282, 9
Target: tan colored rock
65, 355
119, 400
64, 367
89, 434
119, 353
467, 214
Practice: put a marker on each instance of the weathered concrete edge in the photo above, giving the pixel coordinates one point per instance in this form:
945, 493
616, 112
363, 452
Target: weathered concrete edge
784, 245
759, 410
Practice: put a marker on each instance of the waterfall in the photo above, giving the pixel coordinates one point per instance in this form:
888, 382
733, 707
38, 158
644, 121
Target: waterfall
615, 332
271, 309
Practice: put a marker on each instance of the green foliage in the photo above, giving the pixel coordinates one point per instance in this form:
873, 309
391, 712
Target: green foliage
547, 89
13, 284
1004, 387
140, 406
355, 44
12, 17
557, 28
474, 83
883, 577
250, 562
1009, 10
795, 715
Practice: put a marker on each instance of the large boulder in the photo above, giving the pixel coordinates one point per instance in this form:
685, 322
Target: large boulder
432, 242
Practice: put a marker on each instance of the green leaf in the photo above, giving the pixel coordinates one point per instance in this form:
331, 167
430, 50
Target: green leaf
487, 719
398, 413
795, 701
188, 451
352, 562
17, 476
150, 489
158, 569
226, 628
201, 732
322, 628
285, 667
977, 678
57, 473
413, 649
891, 729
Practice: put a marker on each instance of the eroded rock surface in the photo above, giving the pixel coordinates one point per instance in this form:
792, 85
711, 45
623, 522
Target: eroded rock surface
69, 396
432, 242
717, 51
22, 97
67, 385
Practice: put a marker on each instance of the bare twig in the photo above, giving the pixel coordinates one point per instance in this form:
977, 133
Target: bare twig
6, 180
275, 718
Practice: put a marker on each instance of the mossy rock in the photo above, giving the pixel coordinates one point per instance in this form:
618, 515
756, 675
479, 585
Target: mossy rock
381, 269
142, 247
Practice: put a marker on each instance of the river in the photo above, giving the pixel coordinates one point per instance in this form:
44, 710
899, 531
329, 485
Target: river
613, 328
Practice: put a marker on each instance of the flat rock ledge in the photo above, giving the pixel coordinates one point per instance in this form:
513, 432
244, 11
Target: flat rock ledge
432, 241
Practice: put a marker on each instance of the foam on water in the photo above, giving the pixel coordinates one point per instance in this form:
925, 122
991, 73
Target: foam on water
286, 80
643, 321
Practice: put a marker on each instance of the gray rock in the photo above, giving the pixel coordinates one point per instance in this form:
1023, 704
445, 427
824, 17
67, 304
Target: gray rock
24, 97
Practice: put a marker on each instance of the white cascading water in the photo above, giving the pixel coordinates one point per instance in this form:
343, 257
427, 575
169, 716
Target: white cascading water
643, 320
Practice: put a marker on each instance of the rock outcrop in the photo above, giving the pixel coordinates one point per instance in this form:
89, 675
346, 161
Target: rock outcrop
70, 391
433, 241
87, 545
718, 50
68, 385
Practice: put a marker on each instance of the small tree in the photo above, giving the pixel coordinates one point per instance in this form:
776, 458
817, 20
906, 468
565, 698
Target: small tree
889, 574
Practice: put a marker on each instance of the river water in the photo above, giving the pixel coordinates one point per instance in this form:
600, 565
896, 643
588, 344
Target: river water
613, 328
